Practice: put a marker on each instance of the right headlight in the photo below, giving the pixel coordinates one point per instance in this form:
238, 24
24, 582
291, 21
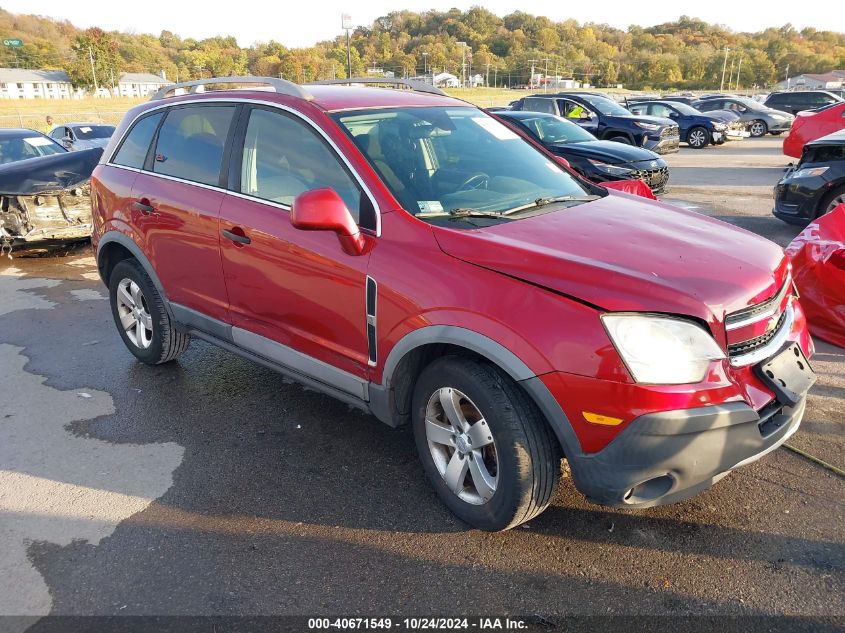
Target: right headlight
808, 172
660, 349
611, 170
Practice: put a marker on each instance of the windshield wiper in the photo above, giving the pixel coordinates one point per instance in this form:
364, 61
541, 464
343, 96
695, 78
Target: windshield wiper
461, 212
541, 202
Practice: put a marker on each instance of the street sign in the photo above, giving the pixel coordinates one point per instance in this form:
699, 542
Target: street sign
346, 21
13, 42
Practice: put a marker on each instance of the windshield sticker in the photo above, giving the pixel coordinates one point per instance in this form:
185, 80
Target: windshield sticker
430, 206
495, 128
85, 130
38, 141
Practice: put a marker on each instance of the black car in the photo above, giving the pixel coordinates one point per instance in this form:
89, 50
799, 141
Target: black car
20, 144
816, 184
697, 129
795, 102
596, 160
606, 119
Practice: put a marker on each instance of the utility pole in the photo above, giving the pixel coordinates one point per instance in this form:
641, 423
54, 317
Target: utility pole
487, 76
463, 46
93, 72
736, 87
495, 76
425, 64
787, 76
731, 74
724, 66
531, 77
546, 75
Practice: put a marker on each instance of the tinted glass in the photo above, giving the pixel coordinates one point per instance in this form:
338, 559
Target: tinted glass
86, 132
435, 160
133, 151
539, 104
552, 129
21, 148
283, 157
606, 106
190, 143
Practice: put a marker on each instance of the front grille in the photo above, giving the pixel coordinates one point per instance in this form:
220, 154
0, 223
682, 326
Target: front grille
669, 131
746, 347
770, 305
656, 179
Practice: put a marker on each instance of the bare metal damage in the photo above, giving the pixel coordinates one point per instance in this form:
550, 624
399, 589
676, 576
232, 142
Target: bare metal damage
51, 215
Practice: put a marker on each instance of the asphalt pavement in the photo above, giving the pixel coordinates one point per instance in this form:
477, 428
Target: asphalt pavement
212, 486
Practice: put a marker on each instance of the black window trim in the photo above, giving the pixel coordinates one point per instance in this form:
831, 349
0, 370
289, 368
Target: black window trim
126, 134
240, 100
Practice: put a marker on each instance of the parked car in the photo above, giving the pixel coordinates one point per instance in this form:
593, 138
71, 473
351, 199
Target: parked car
816, 184
414, 257
676, 98
799, 101
47, 197
21, 143
607, 120
76, 136
812, 124
598, 161
760, 119
698, 130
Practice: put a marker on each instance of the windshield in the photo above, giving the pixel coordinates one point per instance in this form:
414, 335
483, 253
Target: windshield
87, 132
683, 108
606, 106
750, 103
441, 159
21, 148
553, 129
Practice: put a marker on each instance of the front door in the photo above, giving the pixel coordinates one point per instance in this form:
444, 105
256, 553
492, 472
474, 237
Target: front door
295, 297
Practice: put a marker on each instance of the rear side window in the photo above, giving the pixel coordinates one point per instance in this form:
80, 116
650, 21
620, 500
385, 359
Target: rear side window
191, 141
539, 104
134, 148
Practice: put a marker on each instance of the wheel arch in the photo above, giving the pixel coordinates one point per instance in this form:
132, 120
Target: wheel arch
611, 134
114, 247
390, 401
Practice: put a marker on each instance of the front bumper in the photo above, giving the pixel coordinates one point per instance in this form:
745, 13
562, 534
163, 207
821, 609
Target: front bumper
780, 126
669, 456
662, 145
796, 200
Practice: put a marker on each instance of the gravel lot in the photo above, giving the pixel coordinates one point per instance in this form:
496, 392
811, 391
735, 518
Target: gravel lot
212, 486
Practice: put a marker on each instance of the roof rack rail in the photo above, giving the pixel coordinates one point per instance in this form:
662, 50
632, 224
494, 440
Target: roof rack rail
281, 86
413, 84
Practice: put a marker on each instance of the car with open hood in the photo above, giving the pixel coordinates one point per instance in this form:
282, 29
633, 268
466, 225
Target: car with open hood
414, 257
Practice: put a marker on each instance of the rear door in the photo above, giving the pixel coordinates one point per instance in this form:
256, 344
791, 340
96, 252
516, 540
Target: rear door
176, 204
295, 297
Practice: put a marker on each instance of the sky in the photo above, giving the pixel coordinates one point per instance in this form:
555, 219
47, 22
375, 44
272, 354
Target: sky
294, 24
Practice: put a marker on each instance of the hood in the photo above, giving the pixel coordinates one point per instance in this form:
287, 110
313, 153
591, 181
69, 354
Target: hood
48, 173
605, 151
626, 253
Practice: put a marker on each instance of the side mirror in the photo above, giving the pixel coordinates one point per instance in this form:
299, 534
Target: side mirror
560, 160
673, 115
323, 210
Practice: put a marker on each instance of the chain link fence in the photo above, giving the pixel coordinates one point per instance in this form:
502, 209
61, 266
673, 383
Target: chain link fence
39, 121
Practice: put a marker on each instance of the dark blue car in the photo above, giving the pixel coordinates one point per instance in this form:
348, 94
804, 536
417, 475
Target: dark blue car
697, 129
606, 120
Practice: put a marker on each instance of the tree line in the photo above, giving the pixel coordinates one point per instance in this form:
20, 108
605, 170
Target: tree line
686, 54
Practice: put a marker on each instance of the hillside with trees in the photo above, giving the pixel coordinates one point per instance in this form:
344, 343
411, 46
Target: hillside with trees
688, 53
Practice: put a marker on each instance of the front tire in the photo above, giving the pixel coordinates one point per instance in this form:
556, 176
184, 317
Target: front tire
698, 138
484, 445
831, 201
621, 139
758, 128
776, 133
141, 317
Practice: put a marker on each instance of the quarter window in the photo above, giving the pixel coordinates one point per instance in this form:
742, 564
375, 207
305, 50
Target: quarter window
191, 141
283, 157
134, 148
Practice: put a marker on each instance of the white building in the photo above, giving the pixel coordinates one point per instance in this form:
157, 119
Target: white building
20, 83
446, 80
833, 80
140, 84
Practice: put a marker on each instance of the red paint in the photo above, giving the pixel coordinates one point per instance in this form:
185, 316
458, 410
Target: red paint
809, 125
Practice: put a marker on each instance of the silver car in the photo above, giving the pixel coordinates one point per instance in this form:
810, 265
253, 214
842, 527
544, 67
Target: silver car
760, 119
76, 136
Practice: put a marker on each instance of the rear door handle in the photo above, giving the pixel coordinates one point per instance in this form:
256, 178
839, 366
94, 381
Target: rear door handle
236, 237
143, 207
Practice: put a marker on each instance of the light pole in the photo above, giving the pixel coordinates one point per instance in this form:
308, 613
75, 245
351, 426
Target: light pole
546, 75
425, 63
739, 68
787, 76
463, 46
724, 67
346, 24
531, 77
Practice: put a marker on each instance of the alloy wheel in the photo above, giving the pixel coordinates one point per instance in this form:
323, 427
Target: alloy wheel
758, 128
135, 318
835, 202
697, 138
461, 445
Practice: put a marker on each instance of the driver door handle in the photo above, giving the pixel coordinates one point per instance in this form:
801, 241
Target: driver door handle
143, 207
238, 237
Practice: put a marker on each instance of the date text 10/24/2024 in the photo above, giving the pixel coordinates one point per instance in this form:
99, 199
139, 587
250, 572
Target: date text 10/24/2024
418, 624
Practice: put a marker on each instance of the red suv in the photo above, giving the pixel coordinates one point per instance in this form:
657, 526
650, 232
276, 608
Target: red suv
408, 254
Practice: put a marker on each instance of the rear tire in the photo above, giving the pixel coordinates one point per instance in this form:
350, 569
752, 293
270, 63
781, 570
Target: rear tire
141, 316
758, 128
484, 445
698, 138
831, 201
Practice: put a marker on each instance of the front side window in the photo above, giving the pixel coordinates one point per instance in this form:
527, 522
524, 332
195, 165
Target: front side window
453, 160
134, 148
283, 157
191, 141
555, 130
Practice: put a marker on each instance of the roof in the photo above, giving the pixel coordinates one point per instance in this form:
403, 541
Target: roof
834, 76
355, 97
143, 78
20, 75
18, 132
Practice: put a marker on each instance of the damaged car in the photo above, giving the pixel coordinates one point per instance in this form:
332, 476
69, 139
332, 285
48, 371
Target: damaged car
46, 198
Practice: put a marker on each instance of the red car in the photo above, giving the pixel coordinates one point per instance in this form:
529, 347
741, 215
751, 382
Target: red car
410, 255
812, 124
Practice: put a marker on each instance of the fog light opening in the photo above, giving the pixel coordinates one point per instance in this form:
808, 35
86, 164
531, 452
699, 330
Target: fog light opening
649, 490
